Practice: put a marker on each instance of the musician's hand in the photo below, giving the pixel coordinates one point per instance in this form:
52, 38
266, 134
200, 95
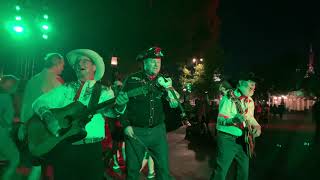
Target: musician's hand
256, 131
129, 131
122, 98
52, 123
167, 83
238, 118
186, 123
173, 103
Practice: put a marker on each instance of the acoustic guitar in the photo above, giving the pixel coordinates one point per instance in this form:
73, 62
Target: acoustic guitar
72, 120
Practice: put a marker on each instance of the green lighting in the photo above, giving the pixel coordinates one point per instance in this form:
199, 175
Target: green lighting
45, 16
18, 29
18, 8
18, 18
45, 27
45, 36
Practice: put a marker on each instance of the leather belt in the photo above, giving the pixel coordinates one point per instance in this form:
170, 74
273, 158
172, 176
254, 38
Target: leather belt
88, 141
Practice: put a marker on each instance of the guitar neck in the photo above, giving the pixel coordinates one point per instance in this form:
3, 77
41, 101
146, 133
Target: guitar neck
131, 93
171, 90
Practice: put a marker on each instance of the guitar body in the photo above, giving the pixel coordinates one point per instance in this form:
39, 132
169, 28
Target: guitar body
72, 120
41, 141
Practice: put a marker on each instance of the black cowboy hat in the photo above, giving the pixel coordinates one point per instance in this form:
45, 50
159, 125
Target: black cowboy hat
153, 52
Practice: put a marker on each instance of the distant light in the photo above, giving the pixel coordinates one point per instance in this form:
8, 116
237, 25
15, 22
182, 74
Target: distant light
201, 59
45, 16
18, 8
18, 29
194, 60
18, 18
45, 36
114, 61
45, 27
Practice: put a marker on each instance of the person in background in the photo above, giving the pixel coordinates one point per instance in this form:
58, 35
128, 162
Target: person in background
41, 83
8, 149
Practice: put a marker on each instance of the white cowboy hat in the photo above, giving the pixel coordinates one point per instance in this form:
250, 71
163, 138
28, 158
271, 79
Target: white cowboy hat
73, 55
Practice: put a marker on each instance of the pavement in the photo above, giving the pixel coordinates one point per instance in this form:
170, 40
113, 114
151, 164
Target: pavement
285, 150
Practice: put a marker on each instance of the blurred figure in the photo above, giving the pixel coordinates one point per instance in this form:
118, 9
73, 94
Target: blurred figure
116, 132
281, 109
316, 120
273, 110
258, 111
8, 149
39, 84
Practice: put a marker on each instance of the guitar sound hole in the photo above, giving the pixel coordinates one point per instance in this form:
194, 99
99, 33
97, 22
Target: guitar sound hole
68, 121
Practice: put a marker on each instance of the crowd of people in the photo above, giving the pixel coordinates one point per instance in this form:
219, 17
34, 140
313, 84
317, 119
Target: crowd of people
124, 122
84, 129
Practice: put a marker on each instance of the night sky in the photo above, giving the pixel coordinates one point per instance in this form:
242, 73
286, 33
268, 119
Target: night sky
259, 32
256, 35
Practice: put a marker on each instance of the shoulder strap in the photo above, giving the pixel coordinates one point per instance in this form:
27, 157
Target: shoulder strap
96, 92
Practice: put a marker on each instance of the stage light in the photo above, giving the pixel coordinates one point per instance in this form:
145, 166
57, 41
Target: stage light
18, 29
45, 16
18, 18
44, 36
18, 8
45, 27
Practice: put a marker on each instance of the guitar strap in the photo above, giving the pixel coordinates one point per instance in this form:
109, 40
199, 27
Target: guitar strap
95, 96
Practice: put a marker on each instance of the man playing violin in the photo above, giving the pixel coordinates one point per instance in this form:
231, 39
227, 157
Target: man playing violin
143, 120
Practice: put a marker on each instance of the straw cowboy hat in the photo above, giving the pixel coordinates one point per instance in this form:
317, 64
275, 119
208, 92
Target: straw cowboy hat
73, 55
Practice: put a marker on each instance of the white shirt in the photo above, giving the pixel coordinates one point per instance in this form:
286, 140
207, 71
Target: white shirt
36, 86
227, 109
64, 95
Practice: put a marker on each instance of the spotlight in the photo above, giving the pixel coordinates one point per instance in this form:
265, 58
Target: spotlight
44, 36
18, 29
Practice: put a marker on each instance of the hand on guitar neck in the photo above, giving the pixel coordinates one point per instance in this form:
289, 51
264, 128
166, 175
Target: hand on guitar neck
173, 97
238, 118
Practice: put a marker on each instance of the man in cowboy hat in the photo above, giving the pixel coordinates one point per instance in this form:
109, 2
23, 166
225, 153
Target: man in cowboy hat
230, 129
82, 159
143, 121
